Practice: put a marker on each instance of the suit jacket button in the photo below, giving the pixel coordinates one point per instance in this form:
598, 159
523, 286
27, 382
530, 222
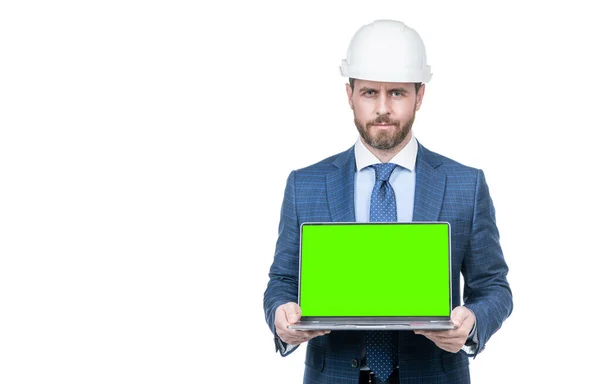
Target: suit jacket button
354, 363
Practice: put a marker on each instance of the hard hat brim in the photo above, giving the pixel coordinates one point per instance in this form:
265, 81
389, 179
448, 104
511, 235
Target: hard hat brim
401, 76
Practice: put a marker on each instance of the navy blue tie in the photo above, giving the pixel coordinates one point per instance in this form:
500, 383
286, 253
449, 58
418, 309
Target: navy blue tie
382, 346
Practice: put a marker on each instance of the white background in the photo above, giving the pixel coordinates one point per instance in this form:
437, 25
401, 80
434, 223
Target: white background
144, 147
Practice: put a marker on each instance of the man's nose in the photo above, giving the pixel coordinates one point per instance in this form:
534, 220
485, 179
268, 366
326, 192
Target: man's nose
383, 105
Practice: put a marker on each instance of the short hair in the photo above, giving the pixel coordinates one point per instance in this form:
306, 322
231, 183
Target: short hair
351, 81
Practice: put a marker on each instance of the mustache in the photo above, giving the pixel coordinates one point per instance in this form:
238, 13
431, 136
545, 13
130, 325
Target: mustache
384, 119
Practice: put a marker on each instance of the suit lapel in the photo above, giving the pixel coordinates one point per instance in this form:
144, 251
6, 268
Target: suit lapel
340, 188
430, 186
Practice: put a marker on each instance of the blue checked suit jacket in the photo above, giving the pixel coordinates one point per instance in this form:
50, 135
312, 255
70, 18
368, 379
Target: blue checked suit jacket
445, 191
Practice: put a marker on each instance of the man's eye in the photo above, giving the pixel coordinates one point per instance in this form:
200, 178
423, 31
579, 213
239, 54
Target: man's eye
397, 94
369, 93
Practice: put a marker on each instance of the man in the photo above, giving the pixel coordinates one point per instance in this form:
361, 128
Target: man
387, 68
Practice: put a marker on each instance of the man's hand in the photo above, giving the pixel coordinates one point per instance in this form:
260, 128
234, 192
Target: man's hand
287, 314
453, 340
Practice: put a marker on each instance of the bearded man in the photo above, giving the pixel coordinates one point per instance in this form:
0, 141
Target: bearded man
387, 70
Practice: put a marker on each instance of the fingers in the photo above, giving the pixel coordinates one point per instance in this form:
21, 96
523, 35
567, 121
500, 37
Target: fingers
458, 315
295, 337
461, 315
292, 312
450, 341
449, 334
287, 314
298, 337
456, 333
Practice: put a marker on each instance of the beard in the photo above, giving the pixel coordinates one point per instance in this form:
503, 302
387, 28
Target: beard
384, 139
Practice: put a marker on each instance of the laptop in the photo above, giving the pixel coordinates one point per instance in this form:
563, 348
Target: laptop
370, 276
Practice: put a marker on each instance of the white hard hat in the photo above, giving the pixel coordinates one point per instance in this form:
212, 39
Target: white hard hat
387, 50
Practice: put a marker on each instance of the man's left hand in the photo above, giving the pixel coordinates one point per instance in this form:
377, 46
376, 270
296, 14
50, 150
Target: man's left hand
452, 340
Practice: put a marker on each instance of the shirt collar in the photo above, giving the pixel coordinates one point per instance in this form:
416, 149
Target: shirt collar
406, 158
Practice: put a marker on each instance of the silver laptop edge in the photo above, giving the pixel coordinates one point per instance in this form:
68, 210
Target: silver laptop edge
378, 323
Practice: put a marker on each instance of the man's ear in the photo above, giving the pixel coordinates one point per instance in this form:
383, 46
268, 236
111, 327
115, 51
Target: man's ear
420, 97
349, 93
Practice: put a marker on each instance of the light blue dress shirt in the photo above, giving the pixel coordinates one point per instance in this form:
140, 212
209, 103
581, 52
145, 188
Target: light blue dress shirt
402, 180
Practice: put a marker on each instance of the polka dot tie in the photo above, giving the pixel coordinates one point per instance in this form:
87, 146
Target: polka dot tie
382, 346
383, 200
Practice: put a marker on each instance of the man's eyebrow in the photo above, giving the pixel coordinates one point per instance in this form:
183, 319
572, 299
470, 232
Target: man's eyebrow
363, 89
401, 90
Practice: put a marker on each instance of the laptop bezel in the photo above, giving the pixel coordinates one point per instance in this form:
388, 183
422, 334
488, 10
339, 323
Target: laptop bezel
377, 319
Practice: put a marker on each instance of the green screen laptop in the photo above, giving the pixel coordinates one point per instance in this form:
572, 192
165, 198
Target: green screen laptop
359, 276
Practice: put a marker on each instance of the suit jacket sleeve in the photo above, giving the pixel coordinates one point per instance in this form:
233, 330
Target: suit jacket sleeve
283, 275
484, 269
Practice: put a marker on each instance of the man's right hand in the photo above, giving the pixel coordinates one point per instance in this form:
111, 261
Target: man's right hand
287, 314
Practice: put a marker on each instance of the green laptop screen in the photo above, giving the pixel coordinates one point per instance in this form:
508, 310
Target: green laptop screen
375, 269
